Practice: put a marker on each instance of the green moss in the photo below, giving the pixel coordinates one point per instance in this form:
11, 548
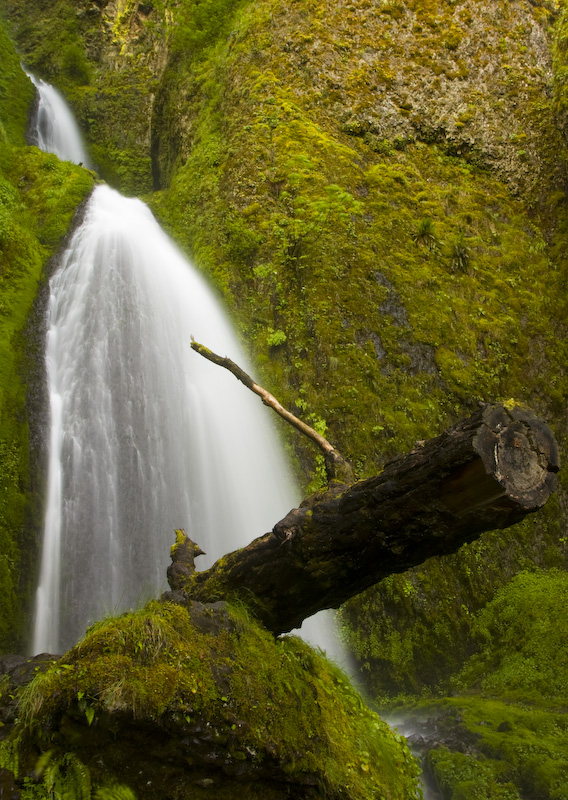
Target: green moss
38, 197
521, 634
504, 731
215, 678
16, 93
304, 225
111, 101
514, 750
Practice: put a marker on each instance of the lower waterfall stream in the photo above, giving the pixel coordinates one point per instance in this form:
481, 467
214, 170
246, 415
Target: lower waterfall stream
145, 436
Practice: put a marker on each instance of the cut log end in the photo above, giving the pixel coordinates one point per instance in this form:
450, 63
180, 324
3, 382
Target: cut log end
521, 452
517, 464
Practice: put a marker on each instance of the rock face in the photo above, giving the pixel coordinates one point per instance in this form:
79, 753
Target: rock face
379, 192
185, 703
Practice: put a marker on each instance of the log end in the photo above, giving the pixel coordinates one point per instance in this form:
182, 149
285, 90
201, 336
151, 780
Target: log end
516, 465
521, 452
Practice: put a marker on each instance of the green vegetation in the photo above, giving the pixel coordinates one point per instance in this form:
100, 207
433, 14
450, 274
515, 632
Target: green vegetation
57, 44
390, 239
225, 692
506, 734
316, 228
521, 633
420, 626
38, 197
16, 94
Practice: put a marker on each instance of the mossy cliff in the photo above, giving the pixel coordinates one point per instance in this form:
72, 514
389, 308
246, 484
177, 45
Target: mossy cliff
385, 213
38, 197
193, 703
378, 191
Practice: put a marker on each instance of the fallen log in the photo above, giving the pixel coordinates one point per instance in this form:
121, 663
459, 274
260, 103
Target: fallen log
486, 472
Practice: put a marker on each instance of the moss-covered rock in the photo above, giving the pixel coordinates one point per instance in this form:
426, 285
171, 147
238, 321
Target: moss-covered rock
185, 703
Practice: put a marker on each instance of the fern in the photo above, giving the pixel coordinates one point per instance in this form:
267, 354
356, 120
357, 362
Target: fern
68, 779
115, 792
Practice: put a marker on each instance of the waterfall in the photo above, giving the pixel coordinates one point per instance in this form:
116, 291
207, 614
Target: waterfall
53, 127
145, 435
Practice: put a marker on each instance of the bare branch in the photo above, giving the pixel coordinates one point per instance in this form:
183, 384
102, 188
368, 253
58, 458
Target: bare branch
336, 466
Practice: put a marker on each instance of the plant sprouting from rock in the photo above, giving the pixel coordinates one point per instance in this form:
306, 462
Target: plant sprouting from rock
424, 235
460, 254
309, 208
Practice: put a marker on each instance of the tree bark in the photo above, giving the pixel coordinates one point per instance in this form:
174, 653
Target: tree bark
484, 473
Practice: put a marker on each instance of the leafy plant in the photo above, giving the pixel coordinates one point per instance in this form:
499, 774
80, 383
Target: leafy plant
275, 338
115, 792
425, 235
460, 254
68, 778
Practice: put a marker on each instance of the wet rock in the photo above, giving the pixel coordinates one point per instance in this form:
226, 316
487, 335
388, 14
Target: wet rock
8, 788
17, 671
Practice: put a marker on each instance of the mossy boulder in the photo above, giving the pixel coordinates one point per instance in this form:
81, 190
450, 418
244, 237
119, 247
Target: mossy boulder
190, 703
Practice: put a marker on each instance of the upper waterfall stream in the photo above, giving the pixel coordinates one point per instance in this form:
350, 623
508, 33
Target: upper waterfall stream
145, 435
53, 127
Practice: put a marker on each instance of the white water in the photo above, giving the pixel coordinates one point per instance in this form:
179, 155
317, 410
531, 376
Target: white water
145, 435
54, 129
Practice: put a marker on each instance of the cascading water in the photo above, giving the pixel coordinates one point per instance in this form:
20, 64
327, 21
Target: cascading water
53, 128
146, 436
